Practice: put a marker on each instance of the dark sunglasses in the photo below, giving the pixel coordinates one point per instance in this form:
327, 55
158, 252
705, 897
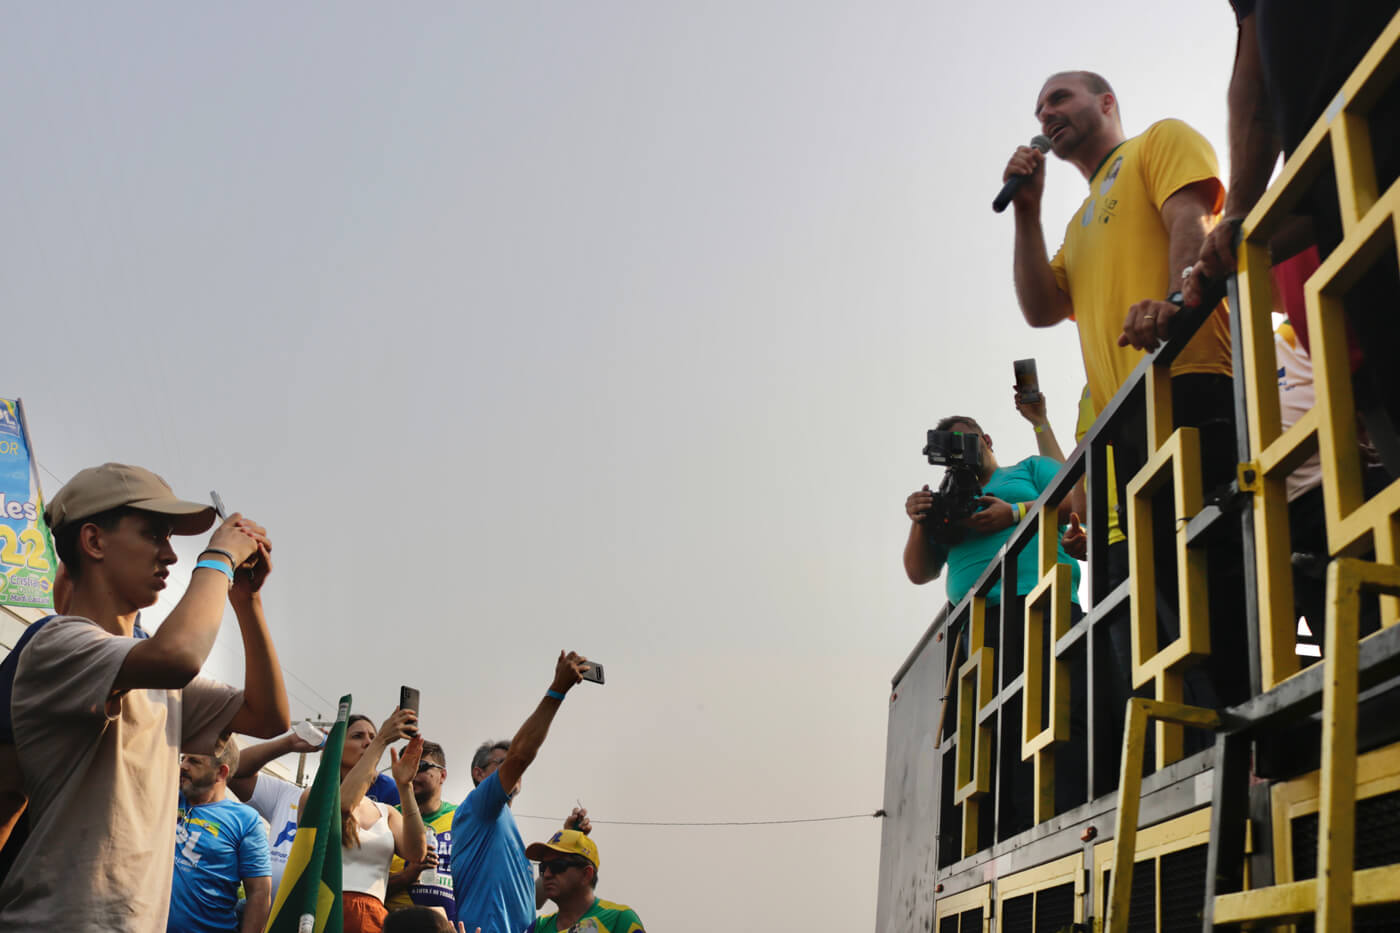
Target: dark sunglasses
427, 766
560, 865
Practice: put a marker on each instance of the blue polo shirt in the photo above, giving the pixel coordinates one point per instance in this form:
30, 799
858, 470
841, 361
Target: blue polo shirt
491, 877
217, 845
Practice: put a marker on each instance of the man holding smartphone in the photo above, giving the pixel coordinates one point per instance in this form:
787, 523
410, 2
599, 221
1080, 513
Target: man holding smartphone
100, 716
427, 883
491, 876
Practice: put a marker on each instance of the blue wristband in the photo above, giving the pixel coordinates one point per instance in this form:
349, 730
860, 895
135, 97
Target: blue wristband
554, 694
218, 565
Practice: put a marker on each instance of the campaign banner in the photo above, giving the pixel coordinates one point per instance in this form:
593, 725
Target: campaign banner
27, 561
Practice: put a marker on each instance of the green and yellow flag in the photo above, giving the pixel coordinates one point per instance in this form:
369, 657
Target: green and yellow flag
308, 899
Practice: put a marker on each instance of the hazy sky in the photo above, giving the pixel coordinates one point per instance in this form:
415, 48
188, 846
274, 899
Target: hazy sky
604, 326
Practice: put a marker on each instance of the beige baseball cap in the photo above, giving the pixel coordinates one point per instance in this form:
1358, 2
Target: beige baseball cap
113, 485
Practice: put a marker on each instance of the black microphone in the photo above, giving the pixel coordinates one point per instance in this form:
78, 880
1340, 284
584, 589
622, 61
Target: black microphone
1014, 183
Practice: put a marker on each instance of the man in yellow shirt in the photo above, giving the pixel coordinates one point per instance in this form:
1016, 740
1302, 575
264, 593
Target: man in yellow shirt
1151, 200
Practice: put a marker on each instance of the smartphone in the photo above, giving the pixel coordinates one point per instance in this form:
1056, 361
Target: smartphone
408, 698
1027, 384
222, 512
594, 673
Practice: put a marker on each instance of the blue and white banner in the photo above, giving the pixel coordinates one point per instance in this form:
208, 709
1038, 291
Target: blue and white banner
27, 561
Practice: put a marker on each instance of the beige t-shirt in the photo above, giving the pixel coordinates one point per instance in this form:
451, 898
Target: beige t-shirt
101, 772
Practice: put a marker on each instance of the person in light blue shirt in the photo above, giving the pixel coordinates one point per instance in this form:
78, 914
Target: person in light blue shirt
219, 843
491, 877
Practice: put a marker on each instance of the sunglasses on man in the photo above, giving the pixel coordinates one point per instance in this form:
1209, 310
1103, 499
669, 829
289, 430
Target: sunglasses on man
560, 865
427, 766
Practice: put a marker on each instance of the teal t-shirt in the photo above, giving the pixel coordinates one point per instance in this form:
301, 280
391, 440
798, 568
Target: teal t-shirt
1023, 482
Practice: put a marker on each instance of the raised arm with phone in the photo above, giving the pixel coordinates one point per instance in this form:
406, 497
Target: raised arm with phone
493, 881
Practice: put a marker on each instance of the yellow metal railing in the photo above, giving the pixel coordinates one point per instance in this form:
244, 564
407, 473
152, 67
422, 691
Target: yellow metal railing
1369, 223
1047, 615
1371, 228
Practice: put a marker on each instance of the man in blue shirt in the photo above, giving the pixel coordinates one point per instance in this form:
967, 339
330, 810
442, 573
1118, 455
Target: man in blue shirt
219, 843
491, 876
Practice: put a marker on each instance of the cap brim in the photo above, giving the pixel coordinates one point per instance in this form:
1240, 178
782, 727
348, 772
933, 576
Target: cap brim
539, 851
186, 518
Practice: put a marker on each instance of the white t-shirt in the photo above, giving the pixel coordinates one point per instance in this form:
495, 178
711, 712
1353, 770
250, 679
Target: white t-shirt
101, 771
276, 801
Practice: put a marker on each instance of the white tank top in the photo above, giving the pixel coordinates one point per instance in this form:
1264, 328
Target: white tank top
366, 869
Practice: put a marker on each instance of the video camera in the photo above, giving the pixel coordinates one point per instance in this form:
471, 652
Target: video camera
956, 497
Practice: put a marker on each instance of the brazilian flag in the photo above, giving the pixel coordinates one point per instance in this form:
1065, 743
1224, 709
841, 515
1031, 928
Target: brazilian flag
308, 899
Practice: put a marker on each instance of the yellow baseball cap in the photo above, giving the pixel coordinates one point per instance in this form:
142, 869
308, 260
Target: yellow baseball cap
112, 485
564, 842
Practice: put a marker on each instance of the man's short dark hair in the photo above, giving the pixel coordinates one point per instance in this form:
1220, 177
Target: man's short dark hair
434, 751
65, 539
1095, 82
482, 758
417, 920
947, 423
1092, 80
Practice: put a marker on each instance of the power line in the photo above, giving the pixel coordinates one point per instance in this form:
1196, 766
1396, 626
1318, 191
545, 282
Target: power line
813, 819
289, 673
61, 481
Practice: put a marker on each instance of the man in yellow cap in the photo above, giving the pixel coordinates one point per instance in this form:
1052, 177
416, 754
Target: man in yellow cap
100, 716
568, 877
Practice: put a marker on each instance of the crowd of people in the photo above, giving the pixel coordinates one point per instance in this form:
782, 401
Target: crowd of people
128, 804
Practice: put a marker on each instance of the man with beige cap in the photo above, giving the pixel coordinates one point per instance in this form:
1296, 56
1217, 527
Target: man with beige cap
568, 874
100, 717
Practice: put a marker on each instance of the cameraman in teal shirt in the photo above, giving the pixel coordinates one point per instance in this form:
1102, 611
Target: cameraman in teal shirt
1004, 491
966, 547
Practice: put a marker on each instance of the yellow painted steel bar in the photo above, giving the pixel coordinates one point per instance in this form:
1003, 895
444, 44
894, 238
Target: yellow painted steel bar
1047, 608
1374, 886
973, 758
1177, 460
1336, 830
1139, 712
